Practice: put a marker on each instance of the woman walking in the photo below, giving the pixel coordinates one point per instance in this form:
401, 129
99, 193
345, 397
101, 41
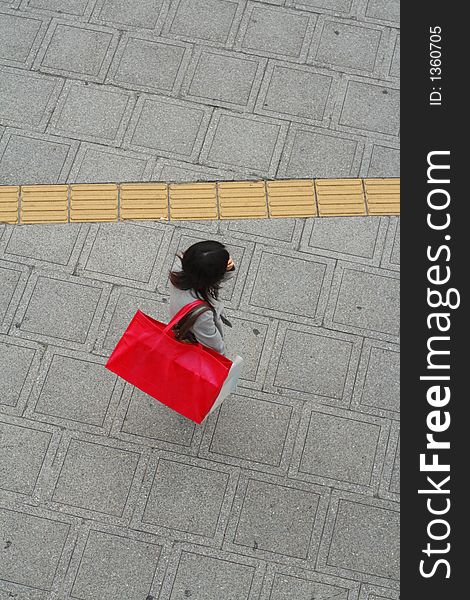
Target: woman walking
204, 266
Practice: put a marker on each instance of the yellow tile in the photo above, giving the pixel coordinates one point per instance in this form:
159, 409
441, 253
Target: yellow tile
44, 204
383, 196
292, 198
94, 202
9, 199
193, 201
242, 200
340, 197
144, 201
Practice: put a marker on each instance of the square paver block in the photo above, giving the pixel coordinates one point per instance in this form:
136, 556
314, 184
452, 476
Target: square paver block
297, 294
169, 127
297, 92
395, 66
395, 256
273, 229
382, 384
224, 78
366, 539
24, 98
372, 108
113, 566
349, 46
244, 142
128, 12
286, 587
27, 160
313, 364
148, 418
71, 7
384, 162
318, 155
250, 336
110, 253
61, 309
209, 20
9, 279
22, 452
341, 449
395, 479
126, 308
149, 64
207, 578
97, 166
275, 30
106, 473
252, 429
77, 50
334, 5
35, 546
16, 362
49, 243
355, 236
92, 112
77, 390
369, 301
17, 36
388, 10
186, 498
277, 518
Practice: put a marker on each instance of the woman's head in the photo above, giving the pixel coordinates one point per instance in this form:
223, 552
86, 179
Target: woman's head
204, 265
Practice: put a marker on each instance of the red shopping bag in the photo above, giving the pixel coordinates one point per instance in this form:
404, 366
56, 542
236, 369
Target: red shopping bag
185, 377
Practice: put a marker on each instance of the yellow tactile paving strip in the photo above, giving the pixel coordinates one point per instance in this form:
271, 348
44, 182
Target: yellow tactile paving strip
80, 203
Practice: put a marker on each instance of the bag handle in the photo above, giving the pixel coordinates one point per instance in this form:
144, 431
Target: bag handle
183, 312
183, 327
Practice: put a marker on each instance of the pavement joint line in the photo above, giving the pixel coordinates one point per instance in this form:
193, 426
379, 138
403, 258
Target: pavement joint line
285, 198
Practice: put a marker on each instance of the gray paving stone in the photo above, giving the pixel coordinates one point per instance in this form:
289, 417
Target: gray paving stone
267, 230
35, 548
297, 92
365, 539
93, 164
275, 31
384, 162
16, 363
203, 20
382, 380
60, 309
340, 448
105, 472
93, 113
77, 51
395, 66
311, 153
34, 159
186, 497
180, 172
19, 38
76, 389
349, 45
26, 99
277, 519
150, 65
223, 78
386, 10
315, 364
9, 280
143, 14
145, 417
251, 429
286, 587
115, 566
168, 126
70, 7
239, 141
211, 578
371, 107
395, 479
368, 301
109, 254
22, 452
315, 5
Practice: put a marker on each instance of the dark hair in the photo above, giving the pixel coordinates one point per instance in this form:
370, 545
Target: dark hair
204, 266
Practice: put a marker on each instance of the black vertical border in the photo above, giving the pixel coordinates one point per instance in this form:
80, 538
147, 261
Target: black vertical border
424, 129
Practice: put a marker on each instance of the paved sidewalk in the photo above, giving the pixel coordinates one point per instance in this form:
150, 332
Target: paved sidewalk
117, 90
288, 492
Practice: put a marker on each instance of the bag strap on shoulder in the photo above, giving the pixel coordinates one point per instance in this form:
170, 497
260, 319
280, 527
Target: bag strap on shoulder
183, 326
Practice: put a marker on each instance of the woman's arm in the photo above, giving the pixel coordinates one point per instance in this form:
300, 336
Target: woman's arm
207, 333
